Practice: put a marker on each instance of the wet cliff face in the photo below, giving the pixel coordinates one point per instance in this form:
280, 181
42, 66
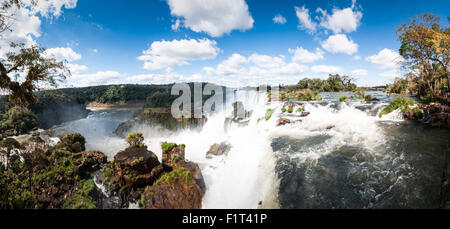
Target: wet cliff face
51, 114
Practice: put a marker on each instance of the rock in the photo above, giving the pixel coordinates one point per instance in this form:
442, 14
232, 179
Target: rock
136, 167
172, 153
283, 121
174, 190
305, 114
219, 149
434, 114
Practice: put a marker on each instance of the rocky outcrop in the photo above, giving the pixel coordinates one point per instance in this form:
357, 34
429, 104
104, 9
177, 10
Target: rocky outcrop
218, 149
174, 190
305, 114
434, 114
41, 176
181, 188
283, 121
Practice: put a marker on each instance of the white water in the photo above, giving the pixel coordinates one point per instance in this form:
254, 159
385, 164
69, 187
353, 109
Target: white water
246, 177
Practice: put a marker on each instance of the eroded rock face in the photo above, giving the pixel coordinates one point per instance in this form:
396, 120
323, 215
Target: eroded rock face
136, 167
219, 149
436, 115
175, 190
283, 121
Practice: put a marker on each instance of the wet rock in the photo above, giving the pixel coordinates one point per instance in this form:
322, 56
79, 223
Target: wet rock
136, 167
434, 114
283, 121
172, 153
174, 190
305, 114
219, 149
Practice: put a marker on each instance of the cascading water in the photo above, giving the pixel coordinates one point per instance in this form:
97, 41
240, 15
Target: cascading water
340, 156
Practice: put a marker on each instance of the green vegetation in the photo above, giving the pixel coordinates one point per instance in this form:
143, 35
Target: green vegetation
178, 175
343, 99
17, 120
290, 110
167, 147
28, 182
401, 102
300, 109
135, 140
335, 83
269, 114
283, 109
426, 51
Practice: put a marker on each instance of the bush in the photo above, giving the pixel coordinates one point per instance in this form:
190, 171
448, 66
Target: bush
135, 139
343, 99
269, 114
290, 110
283, 110
300, 109
401, 102
17, 120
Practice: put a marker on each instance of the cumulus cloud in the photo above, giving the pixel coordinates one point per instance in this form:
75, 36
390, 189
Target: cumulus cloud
164, 54
215, 18
304, 19
341, 20
279, 19
99, 78
75, 68
326, 69
51, 8
61, 54
26, 25
255, 69
339, 43
302, 55
359, 73
386, 59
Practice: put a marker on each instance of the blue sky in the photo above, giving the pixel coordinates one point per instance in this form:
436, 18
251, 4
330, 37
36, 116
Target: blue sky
229, 42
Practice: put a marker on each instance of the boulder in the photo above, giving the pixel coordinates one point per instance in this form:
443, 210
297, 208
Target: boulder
283, 121
219, 149
136, 167
174, 190
305, 114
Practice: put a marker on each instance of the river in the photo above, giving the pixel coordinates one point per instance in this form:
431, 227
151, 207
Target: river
341, 156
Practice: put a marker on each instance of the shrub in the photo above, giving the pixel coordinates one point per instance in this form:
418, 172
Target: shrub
401, 102
283, 110
269, 114
300, 109
135, 139
290, 110
343, 99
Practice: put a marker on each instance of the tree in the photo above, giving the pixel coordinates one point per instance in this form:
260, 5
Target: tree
135, 139
35, 70
26, 70
426, 50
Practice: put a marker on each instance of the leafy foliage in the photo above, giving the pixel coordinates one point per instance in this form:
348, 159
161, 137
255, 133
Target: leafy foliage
135, 139
17, 120
401, 102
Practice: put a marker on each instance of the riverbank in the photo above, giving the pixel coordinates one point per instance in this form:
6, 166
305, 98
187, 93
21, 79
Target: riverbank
97, 106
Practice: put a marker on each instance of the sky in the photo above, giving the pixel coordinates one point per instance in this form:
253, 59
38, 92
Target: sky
229, 42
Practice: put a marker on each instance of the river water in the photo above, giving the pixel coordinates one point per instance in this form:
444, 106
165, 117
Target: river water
341, 156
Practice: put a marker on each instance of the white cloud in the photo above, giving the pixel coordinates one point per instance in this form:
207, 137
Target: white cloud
216, 17
94, 50
359, 73
279, 19
326, 69
302, 55
341, 20
265, 61
75, 68
99, 78
49, 8
232, 66
339, 43
25, 24
164, 54
386, 59
357, 57
61, 54
304, 19
392, 74
256, 69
